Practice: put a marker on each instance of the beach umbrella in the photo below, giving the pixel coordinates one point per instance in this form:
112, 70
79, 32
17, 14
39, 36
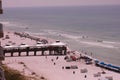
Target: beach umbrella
96, 61
102, 63
109, 65
44, 41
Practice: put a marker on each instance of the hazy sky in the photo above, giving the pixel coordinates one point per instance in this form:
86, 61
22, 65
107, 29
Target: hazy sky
30, 3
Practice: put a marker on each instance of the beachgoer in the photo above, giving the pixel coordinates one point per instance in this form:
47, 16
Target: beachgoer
52, 60
57, 58
54, 63
85, 53
85, 76
73, 72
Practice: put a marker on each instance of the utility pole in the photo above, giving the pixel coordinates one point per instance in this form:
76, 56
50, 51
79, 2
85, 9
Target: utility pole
1, 11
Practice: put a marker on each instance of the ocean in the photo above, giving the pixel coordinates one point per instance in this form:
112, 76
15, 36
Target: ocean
91, 29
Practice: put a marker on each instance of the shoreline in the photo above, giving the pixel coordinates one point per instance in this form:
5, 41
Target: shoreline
59, 63
100, 50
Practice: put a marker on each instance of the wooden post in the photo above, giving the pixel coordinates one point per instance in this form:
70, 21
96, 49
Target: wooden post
42, 52
19, 53
50, 52
55, 51
60, 50
11, 53
35, 53
27, 52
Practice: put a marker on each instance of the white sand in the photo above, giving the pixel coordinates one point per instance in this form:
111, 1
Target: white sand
43, 66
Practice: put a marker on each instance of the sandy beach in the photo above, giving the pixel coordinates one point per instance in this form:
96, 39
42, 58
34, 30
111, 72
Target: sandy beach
52, 67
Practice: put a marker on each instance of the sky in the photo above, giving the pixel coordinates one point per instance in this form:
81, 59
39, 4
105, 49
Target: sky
33, 3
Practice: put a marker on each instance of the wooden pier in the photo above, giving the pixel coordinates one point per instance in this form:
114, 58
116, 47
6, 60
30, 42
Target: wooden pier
44, 50
26, 35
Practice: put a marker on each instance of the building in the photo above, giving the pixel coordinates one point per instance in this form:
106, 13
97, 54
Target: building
1, 33
2, 77
1, 11
1, 30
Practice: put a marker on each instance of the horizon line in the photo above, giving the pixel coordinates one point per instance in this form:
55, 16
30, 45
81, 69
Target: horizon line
61, 6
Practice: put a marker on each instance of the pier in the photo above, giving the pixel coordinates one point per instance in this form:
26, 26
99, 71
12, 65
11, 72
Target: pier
44, 50
26, 35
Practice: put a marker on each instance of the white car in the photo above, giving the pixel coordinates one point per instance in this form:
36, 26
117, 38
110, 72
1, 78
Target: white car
8, 46
23, 45
40, 44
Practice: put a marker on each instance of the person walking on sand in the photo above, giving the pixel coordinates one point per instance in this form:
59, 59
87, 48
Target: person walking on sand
85, 76
57, 58
73, 72
52, 60
54, 63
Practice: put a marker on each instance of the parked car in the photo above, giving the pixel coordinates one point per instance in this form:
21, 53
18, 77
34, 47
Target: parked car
23, 45
39, 44
88, 62
72, 67
8, 46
